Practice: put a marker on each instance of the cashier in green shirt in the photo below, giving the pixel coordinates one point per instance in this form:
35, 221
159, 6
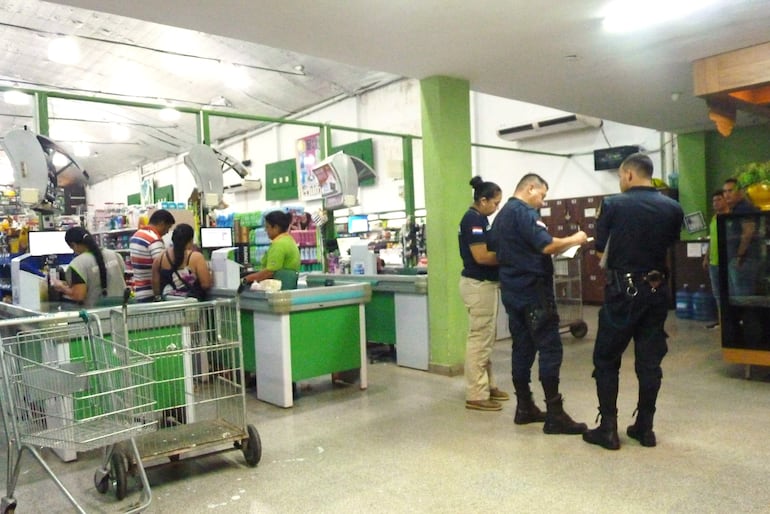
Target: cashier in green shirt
283, 253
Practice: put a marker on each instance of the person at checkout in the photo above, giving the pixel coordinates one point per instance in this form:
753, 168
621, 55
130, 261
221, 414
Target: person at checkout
282, 260
96, 275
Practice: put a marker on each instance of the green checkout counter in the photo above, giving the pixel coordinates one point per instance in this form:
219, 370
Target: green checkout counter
397, 314
300, 334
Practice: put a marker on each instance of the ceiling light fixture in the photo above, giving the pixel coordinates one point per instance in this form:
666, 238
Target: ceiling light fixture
14, 97
299, 68
120, 133
64, 50
169, 114
630, 15
81, 149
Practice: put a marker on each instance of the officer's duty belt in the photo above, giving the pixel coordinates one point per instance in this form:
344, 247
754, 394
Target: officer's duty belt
631, 279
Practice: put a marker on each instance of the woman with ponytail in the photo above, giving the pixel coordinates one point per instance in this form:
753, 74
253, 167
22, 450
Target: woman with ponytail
96, 275
181, 270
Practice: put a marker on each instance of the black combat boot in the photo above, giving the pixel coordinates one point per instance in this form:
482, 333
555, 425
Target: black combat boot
526, 410
641, 430
557, 421
606, 434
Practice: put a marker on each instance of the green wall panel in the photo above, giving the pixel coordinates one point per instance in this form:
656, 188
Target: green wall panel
281, 180
324, 340
364, 150
134, 199
163, 193
381, 318
247, 342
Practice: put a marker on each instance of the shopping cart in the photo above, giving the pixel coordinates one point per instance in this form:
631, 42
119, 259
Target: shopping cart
569, 295
64, 386
197, 377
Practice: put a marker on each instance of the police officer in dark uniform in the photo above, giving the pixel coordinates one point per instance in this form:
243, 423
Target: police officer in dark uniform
633, 233
524, 249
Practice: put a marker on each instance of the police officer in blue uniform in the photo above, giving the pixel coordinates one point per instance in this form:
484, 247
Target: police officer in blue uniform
524, 249
479, 289
634, 231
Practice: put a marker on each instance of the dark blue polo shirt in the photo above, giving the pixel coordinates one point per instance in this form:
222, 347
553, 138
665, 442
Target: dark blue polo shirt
473, 230
735, 230
518, 236
643, 223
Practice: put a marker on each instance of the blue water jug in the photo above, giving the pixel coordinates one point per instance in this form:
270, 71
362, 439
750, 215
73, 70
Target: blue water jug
684, 303
704, 307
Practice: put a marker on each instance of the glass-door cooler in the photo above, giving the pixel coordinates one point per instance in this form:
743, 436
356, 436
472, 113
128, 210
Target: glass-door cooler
744, 287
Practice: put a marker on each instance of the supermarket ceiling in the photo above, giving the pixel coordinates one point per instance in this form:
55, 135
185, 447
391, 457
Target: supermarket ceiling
292, 54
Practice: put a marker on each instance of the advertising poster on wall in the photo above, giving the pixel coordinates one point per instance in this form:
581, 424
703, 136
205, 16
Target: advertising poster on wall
308, 154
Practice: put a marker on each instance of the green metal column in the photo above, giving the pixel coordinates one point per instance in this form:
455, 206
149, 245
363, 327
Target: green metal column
693, 175
41, 114
446, 131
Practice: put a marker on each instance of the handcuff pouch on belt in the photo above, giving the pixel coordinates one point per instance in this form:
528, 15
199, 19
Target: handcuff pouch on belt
631, 280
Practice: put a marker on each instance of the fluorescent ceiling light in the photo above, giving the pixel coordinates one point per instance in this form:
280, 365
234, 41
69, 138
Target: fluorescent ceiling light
169, 114
81, 149
14, 97
630, 15
120, 133
235, 77
64, 50
60, 160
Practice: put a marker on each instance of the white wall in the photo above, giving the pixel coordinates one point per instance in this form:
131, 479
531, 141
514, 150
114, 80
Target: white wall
396, 109
567, 176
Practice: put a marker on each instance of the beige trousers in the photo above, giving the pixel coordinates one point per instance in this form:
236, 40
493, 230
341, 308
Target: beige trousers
481, 301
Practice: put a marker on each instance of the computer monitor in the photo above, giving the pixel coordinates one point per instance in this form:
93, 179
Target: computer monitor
47, 243
344, 244
358, 224
216, 237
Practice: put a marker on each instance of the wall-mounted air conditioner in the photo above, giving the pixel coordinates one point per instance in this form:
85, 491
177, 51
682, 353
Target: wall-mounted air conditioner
565, 123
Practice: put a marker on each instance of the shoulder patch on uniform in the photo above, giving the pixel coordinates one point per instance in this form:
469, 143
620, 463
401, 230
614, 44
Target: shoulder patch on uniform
477, 231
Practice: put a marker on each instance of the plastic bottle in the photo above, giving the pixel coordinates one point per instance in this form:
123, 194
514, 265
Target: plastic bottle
704, 306
684, 303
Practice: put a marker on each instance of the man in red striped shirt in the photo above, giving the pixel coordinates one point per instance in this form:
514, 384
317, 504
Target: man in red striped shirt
147, 244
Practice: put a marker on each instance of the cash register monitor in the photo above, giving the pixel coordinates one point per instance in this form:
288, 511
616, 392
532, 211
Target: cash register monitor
47, 243
344, 244
216, 237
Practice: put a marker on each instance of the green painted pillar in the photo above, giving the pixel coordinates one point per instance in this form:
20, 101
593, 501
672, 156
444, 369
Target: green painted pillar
694, 183
446, 136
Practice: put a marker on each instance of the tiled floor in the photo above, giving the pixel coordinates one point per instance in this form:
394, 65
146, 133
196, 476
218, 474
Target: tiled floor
407, 444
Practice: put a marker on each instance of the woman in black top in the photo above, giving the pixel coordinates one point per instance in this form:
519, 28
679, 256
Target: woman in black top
181, 270
479, 290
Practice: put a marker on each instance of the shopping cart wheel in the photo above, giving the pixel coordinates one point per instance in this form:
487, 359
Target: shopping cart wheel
252, 447
578, 329
8, 505
118, 473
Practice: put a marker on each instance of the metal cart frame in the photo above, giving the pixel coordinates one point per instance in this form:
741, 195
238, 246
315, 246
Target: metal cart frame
65, 386
567, 283
197, 376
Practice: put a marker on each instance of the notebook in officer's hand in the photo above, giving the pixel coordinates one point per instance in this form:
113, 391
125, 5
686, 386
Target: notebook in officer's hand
572, 251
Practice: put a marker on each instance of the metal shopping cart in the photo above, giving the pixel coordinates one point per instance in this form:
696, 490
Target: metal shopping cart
64, 386
197, 377
569, 294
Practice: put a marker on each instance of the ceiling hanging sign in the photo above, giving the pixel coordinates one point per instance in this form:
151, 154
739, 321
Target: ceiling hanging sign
308, 155
338, 179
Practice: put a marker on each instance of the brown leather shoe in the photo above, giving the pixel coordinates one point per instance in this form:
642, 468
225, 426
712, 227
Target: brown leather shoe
489, 405
498, 395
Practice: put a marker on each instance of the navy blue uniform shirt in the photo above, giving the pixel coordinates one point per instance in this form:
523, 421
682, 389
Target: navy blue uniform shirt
473, 230
643, 223
518, 236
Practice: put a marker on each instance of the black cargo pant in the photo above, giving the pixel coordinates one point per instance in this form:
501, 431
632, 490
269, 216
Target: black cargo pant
624, 316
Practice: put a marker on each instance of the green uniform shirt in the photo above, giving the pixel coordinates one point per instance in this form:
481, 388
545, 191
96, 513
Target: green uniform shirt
283, 253
713, 246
